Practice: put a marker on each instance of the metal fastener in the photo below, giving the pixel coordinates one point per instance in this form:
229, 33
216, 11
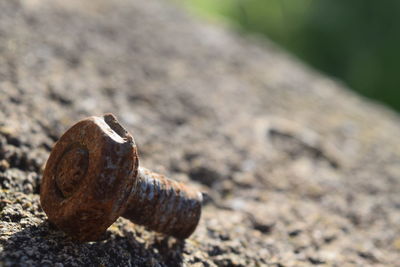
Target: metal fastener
93, 176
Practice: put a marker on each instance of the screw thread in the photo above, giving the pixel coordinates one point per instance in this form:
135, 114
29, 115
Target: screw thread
163, 205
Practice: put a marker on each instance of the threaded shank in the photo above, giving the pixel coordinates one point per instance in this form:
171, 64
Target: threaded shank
164, 205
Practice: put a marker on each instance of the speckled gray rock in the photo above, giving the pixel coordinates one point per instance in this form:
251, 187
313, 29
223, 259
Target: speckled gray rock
298, 170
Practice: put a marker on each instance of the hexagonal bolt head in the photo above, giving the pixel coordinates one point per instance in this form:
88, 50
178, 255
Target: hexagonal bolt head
93, 176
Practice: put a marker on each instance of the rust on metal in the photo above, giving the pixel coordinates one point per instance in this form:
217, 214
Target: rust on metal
164, 205
71, 169
93, 176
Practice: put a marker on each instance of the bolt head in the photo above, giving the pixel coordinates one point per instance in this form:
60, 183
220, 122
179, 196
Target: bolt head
89, 176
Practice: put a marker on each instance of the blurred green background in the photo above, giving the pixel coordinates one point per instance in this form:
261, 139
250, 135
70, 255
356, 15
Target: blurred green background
357, 41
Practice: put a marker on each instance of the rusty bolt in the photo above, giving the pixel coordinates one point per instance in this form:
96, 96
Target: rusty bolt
93, 176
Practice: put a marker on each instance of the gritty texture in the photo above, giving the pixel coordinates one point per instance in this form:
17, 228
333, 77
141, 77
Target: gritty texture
298, 170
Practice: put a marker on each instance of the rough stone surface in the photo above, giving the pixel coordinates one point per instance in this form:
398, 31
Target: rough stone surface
298, 170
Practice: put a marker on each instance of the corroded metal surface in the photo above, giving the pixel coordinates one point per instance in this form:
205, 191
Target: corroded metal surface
72, 169
88, 178
92, 177
164, 205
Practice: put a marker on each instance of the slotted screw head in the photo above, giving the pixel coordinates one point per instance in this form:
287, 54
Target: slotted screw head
92, 177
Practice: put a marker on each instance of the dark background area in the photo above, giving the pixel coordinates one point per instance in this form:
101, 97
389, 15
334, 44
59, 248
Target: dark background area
356, 41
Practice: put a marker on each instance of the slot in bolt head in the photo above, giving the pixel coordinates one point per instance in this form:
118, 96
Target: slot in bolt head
93, 176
